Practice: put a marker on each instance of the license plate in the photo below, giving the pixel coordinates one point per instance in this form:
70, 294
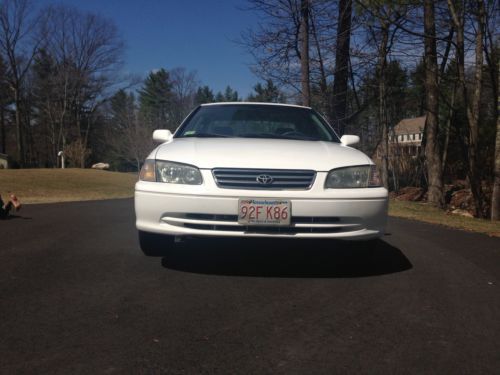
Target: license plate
264, 211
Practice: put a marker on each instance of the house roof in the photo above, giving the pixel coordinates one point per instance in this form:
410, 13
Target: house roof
410, 126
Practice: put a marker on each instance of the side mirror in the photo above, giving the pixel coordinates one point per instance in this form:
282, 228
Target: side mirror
348, 140
162, 135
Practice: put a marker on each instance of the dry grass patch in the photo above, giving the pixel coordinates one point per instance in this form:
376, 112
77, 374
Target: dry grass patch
64, 185
429, 214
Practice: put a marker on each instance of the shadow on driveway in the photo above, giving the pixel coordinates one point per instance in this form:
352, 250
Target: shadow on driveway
286, 258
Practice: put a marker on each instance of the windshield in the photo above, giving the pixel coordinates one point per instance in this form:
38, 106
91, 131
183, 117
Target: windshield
257, 121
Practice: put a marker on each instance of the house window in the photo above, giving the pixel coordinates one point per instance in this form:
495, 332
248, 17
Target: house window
413, 136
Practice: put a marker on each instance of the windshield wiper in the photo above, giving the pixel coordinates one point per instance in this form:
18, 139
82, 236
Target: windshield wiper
206, 135
282, 136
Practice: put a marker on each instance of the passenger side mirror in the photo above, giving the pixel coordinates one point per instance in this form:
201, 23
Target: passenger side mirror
348, 140
162, 135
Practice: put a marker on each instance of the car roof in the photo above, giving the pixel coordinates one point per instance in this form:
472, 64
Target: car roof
254, 103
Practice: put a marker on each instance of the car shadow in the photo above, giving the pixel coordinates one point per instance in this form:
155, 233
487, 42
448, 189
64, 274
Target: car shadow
286, 258
13, 217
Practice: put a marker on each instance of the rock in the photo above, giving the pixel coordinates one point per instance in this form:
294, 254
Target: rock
462, 199
100, 166
410, 193
460, 212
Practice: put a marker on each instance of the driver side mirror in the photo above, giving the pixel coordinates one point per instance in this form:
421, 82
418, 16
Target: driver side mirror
348, 140
162, 135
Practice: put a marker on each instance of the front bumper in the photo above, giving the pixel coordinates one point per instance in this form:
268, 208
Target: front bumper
351, 214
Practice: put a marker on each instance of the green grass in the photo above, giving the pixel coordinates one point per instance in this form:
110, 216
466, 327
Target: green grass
424, 212
65, 185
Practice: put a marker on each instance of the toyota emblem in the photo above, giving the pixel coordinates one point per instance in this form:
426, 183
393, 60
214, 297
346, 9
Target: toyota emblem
264, 179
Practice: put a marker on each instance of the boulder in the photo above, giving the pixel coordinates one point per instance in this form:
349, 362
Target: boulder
460, 212
101, 166
410, 193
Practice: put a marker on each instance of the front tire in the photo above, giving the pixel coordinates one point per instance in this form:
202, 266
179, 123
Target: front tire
155, 245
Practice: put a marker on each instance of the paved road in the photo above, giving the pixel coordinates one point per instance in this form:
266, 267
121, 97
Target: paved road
77, 296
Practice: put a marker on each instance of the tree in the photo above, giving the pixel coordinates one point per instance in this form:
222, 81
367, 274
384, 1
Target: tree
4, 100
130, 141
495, 196
204, 95
472, 101
18, 46
81, 53
229, 95
268, 93
287, 29
184, 84
432, 149
305, 83
341, 74
156, 99
381, 20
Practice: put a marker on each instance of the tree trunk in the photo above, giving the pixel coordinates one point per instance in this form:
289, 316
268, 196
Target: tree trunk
19, 129
495, 197
323, 85
448, 128
471, 103
304, 52
2, 129
382, 108
432, 151
473, 115
341, 74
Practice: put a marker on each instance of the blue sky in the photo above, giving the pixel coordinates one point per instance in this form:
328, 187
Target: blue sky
196, 34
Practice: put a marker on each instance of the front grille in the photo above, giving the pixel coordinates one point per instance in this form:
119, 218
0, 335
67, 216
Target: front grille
268, 179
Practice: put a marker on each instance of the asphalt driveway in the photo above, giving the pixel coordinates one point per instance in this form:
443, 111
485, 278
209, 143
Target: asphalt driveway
78, 296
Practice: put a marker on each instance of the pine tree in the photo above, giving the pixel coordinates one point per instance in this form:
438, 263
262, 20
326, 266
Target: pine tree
268, 93
204, 95
155, 100
231, 95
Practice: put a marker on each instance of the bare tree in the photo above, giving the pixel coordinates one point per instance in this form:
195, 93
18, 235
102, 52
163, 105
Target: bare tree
381, 20
305, 10
4, 100
129, 140
432, 149
472, 101
86, 50
341, 75
184, 86
277, 43
492, 54
18, 46
495, 197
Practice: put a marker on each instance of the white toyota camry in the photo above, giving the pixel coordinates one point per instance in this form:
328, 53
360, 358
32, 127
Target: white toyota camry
257, 170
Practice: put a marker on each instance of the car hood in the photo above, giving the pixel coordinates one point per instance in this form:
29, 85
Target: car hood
208, 153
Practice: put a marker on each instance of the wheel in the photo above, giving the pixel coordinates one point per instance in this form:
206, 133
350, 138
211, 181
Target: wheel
155, 245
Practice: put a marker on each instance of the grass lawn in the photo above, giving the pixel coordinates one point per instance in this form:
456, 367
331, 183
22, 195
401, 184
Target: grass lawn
429, 214
64, 185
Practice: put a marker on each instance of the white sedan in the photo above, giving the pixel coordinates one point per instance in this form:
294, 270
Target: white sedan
257, 170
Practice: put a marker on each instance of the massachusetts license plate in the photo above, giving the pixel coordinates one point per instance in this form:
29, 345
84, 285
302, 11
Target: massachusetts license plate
258, 211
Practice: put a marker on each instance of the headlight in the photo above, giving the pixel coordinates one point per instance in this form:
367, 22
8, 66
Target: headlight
176, 173
362, 176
